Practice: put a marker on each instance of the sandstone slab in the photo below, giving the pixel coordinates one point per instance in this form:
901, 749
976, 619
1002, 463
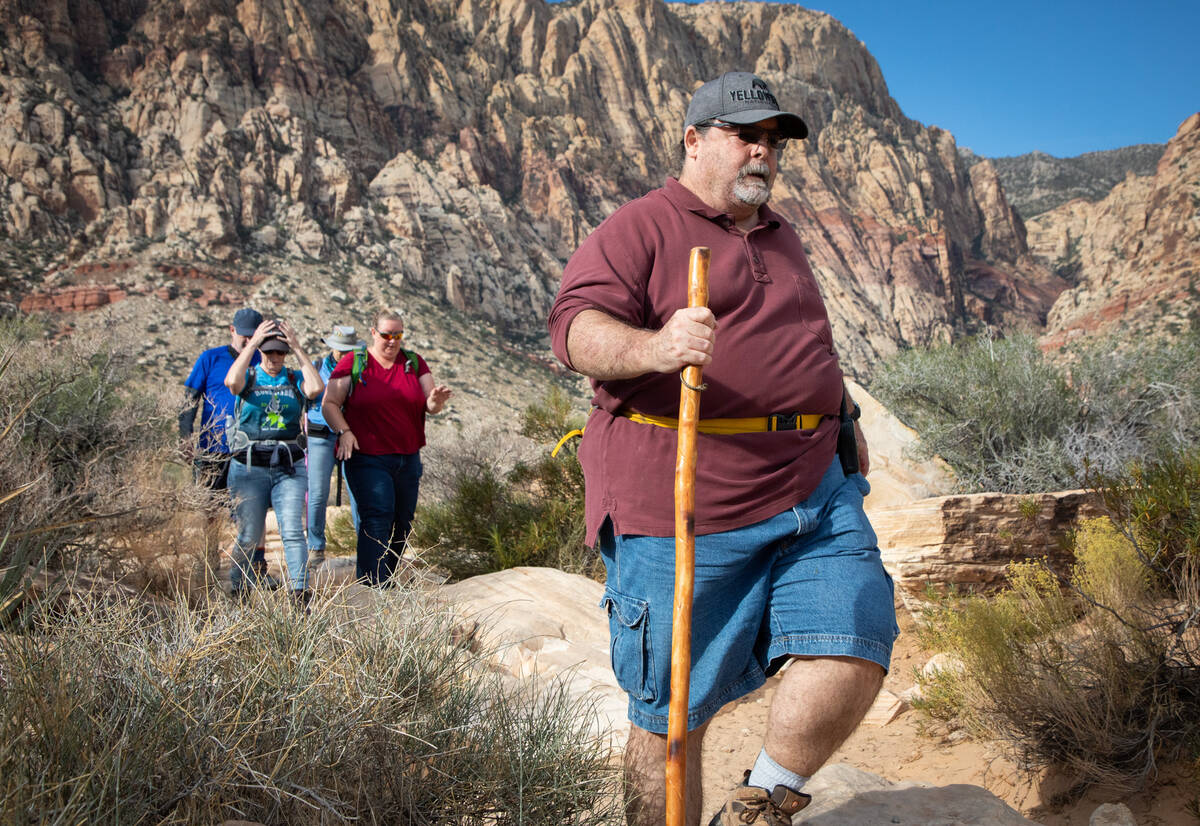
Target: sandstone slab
896, 475
966, 541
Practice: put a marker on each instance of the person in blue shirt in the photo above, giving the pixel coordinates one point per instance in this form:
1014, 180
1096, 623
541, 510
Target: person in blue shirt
322, 442
267, 467
206, 391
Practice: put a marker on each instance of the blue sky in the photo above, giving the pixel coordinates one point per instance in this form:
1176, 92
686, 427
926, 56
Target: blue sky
1059, 76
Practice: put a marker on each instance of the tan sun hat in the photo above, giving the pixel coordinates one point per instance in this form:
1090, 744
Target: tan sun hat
344, 339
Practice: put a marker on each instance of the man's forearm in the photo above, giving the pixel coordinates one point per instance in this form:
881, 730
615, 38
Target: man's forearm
603, 348
606, 348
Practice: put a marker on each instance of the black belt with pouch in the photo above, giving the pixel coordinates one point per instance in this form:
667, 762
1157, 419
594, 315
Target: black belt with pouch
319, 430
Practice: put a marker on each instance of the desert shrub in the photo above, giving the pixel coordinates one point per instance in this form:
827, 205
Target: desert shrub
114, 712
530, 513
1138, 401
85, 440
1008, 419
1098, 673
340, 537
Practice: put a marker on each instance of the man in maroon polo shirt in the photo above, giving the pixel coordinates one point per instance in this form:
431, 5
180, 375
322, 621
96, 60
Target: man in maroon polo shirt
787, 565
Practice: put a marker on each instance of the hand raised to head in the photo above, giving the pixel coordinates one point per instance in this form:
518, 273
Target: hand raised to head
261, 333
289, 334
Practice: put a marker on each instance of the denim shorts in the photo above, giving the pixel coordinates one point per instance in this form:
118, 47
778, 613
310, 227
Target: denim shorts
805, 582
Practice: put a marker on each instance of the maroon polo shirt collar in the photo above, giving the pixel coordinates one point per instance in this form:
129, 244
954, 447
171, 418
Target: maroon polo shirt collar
685, 198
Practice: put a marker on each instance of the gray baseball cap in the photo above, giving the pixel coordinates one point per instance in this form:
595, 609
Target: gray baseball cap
741, 97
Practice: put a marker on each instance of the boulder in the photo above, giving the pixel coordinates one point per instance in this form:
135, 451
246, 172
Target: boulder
544, 624
843, 795
1112, 814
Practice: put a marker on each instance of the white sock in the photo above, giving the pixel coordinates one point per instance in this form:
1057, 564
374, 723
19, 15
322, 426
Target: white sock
767, 774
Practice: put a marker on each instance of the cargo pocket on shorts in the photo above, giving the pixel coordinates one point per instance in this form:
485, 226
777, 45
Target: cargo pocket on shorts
629, 645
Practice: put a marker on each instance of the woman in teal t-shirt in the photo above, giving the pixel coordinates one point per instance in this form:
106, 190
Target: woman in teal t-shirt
268, 460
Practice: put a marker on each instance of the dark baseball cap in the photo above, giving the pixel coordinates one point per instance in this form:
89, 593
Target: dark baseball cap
275, 344
246, 321
741, 97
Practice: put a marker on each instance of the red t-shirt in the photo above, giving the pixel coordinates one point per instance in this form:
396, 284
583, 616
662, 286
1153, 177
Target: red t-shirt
386, 409
774, 354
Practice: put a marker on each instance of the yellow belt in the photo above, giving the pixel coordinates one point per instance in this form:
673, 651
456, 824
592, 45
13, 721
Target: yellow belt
749, 424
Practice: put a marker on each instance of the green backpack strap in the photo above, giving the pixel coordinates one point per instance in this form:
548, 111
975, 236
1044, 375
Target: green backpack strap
413, 365
412, 358
357, 367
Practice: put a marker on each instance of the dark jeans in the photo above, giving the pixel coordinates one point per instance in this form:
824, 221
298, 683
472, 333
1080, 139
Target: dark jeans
385, 489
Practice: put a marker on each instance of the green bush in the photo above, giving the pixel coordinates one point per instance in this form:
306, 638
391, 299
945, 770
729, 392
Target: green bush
116, 713
530, 514
1008, 419
1098, 674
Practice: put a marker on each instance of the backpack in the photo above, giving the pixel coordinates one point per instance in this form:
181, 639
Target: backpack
249, 427
360, 364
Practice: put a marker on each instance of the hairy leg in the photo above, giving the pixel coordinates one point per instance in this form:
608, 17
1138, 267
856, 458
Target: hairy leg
819, 703
645, 777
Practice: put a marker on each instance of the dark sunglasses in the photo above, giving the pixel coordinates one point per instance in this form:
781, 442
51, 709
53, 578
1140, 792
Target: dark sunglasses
390, 336
753, 134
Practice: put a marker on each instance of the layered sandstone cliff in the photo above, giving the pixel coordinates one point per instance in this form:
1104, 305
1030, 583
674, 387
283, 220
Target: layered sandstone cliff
1134, 256
464, 148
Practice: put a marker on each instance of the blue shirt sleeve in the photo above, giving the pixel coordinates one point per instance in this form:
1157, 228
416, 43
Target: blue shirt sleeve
197, 379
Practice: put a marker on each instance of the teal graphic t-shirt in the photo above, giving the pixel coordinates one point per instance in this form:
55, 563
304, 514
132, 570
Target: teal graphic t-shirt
271, 406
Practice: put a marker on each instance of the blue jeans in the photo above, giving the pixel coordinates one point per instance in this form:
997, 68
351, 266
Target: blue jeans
385, 488
254, 489
806, 582
320, 466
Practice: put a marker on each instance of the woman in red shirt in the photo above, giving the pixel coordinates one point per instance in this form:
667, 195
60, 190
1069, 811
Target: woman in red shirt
378, 412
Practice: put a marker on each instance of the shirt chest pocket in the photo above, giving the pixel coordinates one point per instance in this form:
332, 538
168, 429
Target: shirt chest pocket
812, 308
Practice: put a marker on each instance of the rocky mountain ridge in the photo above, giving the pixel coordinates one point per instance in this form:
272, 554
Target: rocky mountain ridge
1133, 258
461, 150
1037, 182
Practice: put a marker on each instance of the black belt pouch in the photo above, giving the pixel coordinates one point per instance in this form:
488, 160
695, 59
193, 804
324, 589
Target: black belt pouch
847, 446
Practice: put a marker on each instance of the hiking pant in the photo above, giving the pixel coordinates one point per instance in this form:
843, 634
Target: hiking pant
320, 466
255, 488
385, 489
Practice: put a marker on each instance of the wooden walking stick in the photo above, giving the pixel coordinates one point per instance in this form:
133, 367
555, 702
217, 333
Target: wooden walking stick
685, 551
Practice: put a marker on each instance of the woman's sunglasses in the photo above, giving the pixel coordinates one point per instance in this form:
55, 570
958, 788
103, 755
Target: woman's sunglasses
390, 336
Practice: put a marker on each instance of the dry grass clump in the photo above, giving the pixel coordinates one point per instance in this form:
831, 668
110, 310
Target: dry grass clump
1098, 674
114, 712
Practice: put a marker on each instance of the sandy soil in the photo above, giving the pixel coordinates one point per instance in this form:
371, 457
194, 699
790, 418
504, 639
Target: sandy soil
909, 748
